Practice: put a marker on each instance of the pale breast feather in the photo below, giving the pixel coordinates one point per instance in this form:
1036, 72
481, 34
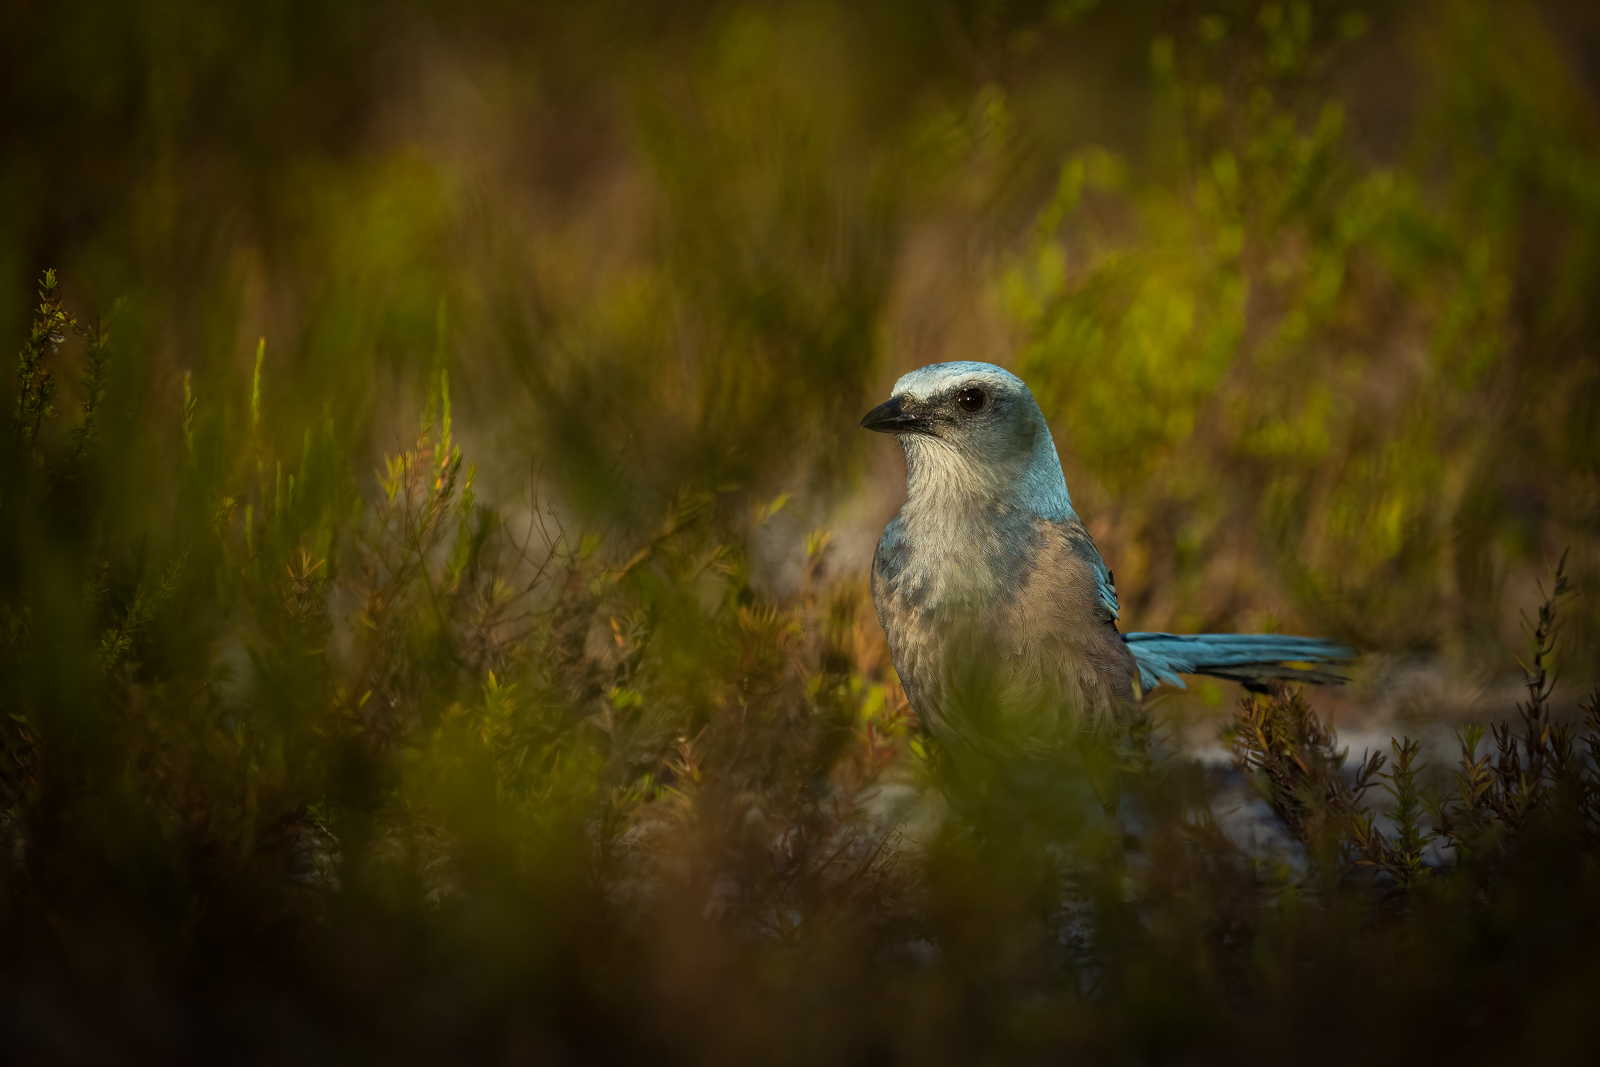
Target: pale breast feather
1020, 676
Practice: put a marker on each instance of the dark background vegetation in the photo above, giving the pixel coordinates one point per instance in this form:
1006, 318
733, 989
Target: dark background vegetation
563, 729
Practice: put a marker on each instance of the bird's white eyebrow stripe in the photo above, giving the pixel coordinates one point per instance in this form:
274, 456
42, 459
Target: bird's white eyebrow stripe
924, 383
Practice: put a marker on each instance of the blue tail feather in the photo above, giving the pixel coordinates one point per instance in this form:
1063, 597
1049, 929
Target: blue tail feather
1254, 659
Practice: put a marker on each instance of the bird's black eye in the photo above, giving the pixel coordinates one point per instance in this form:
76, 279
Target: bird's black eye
972, 399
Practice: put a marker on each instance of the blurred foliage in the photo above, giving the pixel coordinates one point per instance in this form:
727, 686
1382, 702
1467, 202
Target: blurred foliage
393, 660
1264, 345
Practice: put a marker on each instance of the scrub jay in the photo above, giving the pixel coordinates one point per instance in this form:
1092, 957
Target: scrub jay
1000, 613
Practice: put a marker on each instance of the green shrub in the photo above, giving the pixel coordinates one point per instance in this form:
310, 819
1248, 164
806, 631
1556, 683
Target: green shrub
554, 724
432, 783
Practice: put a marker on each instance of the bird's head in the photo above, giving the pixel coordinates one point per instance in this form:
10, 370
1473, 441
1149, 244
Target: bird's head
974, 431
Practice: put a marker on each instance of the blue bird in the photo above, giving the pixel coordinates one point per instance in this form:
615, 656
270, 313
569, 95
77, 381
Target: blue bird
1000, 613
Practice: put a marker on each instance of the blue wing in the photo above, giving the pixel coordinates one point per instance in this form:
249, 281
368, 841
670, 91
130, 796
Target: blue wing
1108, 590
1082, 545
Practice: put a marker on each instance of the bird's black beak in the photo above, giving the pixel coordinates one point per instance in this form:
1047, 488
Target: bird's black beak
896, 415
